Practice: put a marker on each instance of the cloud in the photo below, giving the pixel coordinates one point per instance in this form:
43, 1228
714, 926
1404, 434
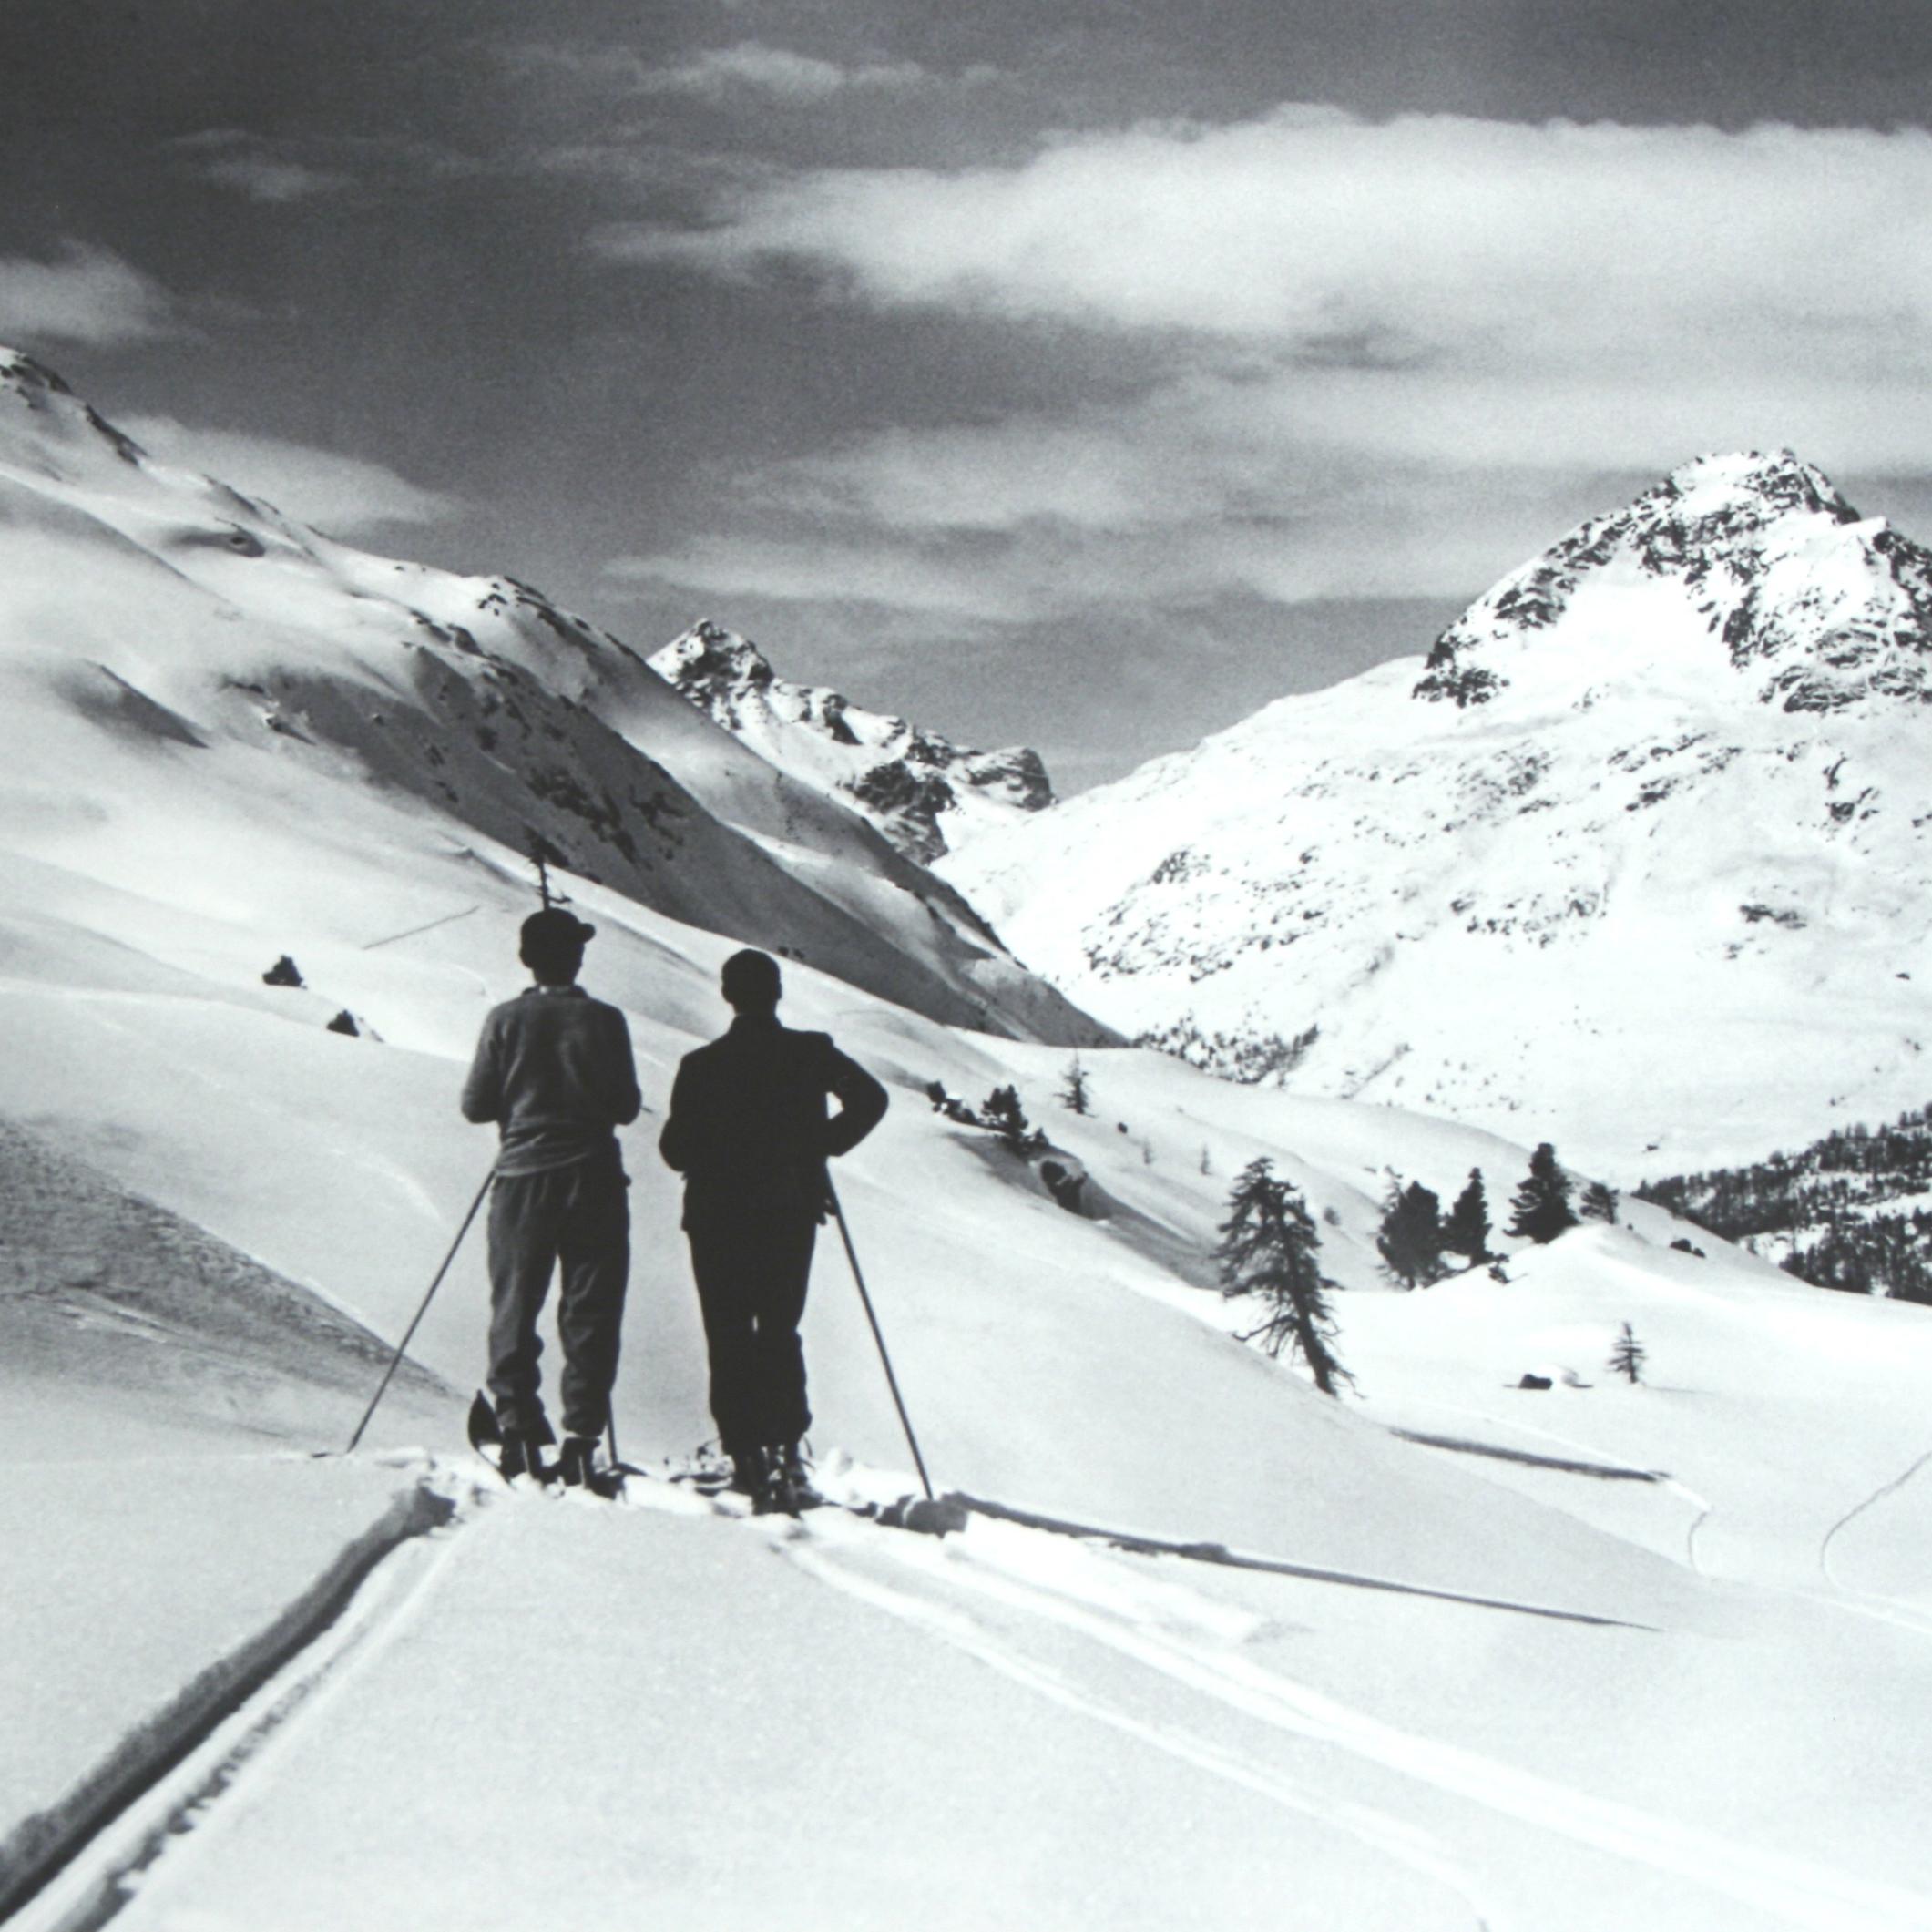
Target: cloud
750, 67
266, 177
279, 171
84, 295
1488, 245
1389, 359
340, 494
861, 570
773, 70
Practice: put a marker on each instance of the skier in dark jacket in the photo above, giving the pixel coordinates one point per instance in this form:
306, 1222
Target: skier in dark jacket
554, 1069
749, 1131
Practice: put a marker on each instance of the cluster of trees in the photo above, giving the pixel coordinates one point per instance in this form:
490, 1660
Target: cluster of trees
1888, 1254
1416, 1239
1830, 1200
1001, 1113
1247, 1058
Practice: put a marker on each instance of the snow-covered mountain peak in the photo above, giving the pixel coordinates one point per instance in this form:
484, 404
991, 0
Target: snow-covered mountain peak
922, 791
1746, 564
1676, 801
54, 411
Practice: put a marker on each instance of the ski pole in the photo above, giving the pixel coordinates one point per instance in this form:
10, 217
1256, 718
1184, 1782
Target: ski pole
892, 1381
396, 1359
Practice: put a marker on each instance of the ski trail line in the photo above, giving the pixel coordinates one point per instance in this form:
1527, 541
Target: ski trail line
1878, 1496
167, 1800
1406, 1844
1467, 1445
1277, 1566
1787, 1889
1661, 1478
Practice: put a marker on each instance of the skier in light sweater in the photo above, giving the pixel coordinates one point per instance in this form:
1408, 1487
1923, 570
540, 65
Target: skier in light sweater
554, 1069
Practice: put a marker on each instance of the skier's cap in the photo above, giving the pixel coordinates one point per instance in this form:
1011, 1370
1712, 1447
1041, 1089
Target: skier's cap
553, 929
750, 978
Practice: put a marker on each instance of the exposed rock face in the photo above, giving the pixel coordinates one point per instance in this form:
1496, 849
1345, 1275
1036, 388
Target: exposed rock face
926, 793
1639, 855
1827, 607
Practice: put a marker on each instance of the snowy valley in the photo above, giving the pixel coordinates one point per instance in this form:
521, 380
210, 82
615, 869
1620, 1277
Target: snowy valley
1447, 1650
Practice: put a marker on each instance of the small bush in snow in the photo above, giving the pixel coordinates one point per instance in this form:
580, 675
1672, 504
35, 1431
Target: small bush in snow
1627, 1358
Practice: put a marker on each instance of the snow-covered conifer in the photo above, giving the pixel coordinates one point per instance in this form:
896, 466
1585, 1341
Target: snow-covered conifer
1467, 1231
1626, 1357
1410, 1238
1541, 1209
1268, 1247
1073, 1094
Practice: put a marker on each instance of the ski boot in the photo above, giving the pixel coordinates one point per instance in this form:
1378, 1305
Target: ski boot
523, 1456
751, 1472
788, 1483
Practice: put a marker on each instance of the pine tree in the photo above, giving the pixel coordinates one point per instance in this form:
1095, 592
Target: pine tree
1626, 1357
1002, 1112
1467, 1231
1598, 1203
1410, 1239
1540, 1206
1073, 1093
1268, 1245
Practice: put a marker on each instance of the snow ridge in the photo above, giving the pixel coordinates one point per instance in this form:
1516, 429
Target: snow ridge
922, 791
1836, 608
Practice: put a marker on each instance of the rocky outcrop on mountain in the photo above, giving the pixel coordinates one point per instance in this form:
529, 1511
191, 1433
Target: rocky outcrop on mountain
926, 794
1638, 859
1821, 607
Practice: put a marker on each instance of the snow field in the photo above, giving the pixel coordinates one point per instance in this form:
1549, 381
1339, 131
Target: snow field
563, 1711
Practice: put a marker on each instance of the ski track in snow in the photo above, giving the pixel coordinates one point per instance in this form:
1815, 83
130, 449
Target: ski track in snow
149, 1841
1406, 1844
1789, 1890
1702, 1507
1858, 1510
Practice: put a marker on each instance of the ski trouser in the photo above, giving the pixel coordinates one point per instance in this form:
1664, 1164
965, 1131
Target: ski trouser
752, 1269
575, 1220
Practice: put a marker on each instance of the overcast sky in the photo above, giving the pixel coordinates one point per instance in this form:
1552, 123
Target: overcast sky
1083, 373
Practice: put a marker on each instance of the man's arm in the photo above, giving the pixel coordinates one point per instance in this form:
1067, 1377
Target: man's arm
626, 1101
862, 1101
483, 1090
675, 1143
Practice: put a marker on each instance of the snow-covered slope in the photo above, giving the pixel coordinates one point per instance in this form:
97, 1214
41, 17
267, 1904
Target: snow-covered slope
1573, 1658
1590, 1657
170, 631
1638, 859
927, 794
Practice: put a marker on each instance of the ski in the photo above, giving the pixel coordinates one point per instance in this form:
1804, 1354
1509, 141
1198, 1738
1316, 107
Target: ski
486, 1437
712, 1477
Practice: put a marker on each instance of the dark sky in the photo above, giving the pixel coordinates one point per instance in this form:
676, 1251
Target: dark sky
1079, 373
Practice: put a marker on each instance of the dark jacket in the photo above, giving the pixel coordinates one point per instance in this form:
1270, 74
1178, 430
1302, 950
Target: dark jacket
748, 1128
554, 1067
